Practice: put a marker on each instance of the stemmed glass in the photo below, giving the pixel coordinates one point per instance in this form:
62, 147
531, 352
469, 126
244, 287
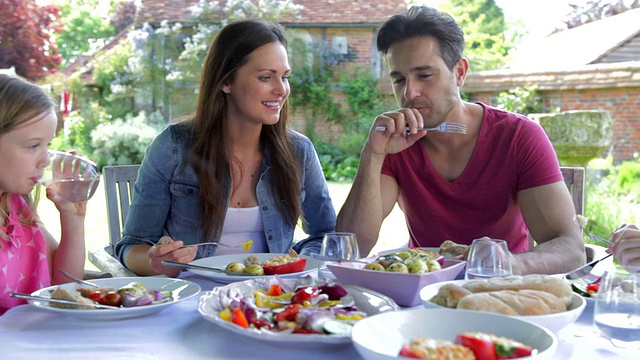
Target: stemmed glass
337, 245
488, 258
617, 308
72, 177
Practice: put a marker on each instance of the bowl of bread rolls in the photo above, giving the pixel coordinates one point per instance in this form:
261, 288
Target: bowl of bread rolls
545, 300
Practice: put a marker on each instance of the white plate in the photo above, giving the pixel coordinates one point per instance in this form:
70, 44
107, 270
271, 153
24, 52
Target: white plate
222, 261
366, 300
553, 322
180, 289
382, 336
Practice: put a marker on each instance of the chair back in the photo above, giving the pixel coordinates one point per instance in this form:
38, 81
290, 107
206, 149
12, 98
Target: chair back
574, 179
118, 184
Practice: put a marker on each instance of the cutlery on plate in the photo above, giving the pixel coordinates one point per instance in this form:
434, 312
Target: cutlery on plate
199, 267
61, 301
582, 223
245, 245
447, 127
584, 270
79, 281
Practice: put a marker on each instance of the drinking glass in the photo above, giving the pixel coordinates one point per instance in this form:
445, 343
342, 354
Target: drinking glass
617, 309
488, 258
336, 245
72, 177
340, 245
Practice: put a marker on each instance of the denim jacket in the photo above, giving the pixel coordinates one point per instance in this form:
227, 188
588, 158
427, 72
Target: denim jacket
166, 199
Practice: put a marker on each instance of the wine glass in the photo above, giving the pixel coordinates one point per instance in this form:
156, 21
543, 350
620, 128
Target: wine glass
72, 177
488, 258
617, 308
335, 246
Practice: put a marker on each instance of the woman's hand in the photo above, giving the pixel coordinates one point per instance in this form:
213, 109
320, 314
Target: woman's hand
169, 250
626, 245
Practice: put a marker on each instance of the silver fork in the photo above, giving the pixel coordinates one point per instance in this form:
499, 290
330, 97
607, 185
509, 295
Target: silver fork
582, 223
246, 245
446, 127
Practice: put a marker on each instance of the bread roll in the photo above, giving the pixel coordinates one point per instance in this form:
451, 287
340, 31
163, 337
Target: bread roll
64, 294
450, 249
449, 295
509, 302
554, 285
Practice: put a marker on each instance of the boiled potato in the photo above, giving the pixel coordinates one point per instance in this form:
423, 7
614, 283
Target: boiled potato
235, 267
418, 267
374, 266
398, 267
433, 265
254, 269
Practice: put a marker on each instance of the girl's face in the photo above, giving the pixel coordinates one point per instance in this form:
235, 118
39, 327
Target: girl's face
23, 153
260, 87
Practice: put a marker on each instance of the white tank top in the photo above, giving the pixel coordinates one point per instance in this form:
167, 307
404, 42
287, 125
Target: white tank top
241, 224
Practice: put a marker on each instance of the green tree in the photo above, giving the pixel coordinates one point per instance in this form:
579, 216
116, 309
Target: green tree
487, 40
84, 29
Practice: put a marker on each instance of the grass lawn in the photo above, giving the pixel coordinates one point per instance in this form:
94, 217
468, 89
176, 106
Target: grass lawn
393, 234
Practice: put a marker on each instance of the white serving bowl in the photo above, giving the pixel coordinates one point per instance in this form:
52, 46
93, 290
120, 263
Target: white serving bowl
403, 288
553, 322
382, 336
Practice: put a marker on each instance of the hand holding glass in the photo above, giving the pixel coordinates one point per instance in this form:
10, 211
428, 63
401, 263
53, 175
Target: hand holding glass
488, 258
72, 177
617, 309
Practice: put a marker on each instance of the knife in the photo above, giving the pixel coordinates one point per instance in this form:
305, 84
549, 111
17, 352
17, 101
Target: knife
199, 267
61, 301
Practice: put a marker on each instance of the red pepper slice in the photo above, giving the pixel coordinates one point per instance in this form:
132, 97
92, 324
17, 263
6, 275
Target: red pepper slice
274, 290
289, 313
486, 346
296, 265
238, 318
304, 294
406, 352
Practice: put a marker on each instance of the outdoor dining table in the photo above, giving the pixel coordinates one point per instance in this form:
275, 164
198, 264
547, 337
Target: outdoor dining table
179, 332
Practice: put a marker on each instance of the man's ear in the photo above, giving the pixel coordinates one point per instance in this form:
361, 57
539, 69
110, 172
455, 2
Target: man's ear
460, 71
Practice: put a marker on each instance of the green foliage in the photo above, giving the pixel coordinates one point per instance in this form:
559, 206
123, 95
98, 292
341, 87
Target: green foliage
84, 29
628, 179
522, 100
610, 204
487, 41
116, 80
124, 141
336, 165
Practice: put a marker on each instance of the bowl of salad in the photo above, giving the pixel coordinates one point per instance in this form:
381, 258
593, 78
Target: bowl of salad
294, 312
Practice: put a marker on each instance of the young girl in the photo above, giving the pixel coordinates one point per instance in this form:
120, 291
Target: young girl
29, 255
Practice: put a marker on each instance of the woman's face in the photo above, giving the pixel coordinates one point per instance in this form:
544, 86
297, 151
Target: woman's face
23, 153
260, 87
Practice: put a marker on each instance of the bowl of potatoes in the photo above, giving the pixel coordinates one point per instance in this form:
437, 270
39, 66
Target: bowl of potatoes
399, 275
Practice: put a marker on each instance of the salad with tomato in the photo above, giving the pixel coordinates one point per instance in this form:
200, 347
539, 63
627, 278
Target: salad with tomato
279, 307
133, 294
467, 346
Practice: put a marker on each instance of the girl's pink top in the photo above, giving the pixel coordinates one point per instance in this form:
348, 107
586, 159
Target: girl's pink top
23, 257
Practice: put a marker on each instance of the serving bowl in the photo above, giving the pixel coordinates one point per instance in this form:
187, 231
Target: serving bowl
401, 287
212, 303
382, 336
553, 322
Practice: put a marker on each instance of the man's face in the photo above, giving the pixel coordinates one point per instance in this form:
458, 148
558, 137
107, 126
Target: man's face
422, 80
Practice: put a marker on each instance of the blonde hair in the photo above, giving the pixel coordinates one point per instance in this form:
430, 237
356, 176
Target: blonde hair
20, 101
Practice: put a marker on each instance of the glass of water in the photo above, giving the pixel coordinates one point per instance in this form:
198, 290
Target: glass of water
335, 246
617, 309
488, 258
72, 177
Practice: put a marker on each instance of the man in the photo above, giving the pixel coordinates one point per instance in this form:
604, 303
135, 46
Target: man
501, 179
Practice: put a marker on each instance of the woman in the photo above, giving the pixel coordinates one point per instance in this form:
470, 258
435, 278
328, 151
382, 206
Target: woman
233, 171
29, 255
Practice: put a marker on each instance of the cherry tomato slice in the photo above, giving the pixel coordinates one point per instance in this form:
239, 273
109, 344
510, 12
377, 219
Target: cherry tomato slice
112, 298
97, 296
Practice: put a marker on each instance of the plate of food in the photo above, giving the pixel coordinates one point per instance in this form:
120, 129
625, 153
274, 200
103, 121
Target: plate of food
299, 313
400, 274
409, 333
130, 296
542, 299
254, 266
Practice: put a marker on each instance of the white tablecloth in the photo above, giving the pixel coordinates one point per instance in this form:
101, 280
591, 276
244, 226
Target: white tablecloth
179, 332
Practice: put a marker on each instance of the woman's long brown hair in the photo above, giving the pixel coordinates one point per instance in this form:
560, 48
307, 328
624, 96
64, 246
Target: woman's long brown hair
228, 52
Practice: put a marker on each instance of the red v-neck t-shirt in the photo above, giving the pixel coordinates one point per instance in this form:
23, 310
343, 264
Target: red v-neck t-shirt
512, 153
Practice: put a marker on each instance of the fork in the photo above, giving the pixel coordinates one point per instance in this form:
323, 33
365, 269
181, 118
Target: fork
245, 245
582, 223
446, 127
